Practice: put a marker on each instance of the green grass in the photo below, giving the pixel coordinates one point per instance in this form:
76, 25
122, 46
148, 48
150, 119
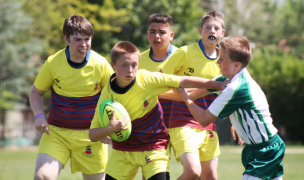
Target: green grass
20, 165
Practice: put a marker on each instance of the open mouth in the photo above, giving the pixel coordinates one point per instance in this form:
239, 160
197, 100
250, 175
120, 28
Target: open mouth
212, 37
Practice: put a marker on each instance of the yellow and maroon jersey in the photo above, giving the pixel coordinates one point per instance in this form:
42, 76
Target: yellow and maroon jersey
191, 60
150, 64
75, 90
140, 100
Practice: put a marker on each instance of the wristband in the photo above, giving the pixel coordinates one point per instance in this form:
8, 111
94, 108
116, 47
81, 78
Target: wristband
40, 115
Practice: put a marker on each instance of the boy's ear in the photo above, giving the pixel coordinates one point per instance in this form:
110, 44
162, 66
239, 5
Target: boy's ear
223, 33
171, 35
238, 65
113, 66
200, 30
66, 39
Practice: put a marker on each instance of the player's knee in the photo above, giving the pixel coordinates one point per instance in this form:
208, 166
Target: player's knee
192, 173
210, 177
41, 175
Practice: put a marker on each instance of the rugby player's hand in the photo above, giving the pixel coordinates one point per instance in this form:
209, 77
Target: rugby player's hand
106, 140
224, 85
181, 92
118, 124
234, 134
42, 125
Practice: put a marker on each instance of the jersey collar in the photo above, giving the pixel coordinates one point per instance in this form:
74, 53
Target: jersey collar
170, 51
67, 53
202, 47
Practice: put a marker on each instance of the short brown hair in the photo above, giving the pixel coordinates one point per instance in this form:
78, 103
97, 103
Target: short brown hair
161, 18
77, 24
213, 15
122, 48
238, 48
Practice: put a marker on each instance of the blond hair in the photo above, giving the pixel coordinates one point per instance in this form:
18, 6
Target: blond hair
123, 48
213, 15
238, 48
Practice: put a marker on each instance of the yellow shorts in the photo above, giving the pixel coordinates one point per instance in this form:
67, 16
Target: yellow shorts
64, 144
203, 142
123, 165
169, 147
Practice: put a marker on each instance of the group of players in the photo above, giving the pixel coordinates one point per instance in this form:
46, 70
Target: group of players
162, 119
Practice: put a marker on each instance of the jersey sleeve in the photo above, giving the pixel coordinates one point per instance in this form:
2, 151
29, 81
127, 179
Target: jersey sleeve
158, 82
44, 79
226, 103
176, 61
96, 119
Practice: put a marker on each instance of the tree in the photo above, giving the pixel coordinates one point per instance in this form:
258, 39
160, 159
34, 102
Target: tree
186, 17
18, 50
49, 17
291, 35
253, 19
281, 76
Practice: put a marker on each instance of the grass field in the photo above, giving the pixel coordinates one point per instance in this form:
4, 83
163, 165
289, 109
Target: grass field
20, 164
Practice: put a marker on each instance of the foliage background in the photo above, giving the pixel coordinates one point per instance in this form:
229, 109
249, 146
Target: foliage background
30, 31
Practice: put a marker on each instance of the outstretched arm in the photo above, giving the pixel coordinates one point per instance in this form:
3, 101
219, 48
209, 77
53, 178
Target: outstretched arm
202, 83
193, 93
204, 117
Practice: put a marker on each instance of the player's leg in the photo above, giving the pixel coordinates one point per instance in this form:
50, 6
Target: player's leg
278, 178
209, 169
53, 154
186, 142
209, 152
88, 157
47, 167
108, 177
122, 165
160, 176
191, 165
248, 177
264, 160
99, 176
155, 164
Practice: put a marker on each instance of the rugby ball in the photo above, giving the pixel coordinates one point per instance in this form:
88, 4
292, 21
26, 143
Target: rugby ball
106, 110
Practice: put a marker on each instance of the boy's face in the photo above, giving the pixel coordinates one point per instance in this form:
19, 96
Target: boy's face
159, 36
228, 67
211, 32
79, 45
125, 69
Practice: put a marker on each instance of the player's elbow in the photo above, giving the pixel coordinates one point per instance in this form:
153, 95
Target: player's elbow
92, 137
202, 122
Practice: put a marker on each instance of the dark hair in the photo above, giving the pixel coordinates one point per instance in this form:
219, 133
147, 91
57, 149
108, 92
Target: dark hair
238, 48
77, 24
161, 18
214, 15
122, 48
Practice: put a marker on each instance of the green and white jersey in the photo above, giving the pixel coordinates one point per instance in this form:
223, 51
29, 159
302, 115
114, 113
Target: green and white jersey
246, 105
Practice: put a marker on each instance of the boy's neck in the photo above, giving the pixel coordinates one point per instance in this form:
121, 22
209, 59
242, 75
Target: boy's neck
159, 55
235, 73
210, 51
